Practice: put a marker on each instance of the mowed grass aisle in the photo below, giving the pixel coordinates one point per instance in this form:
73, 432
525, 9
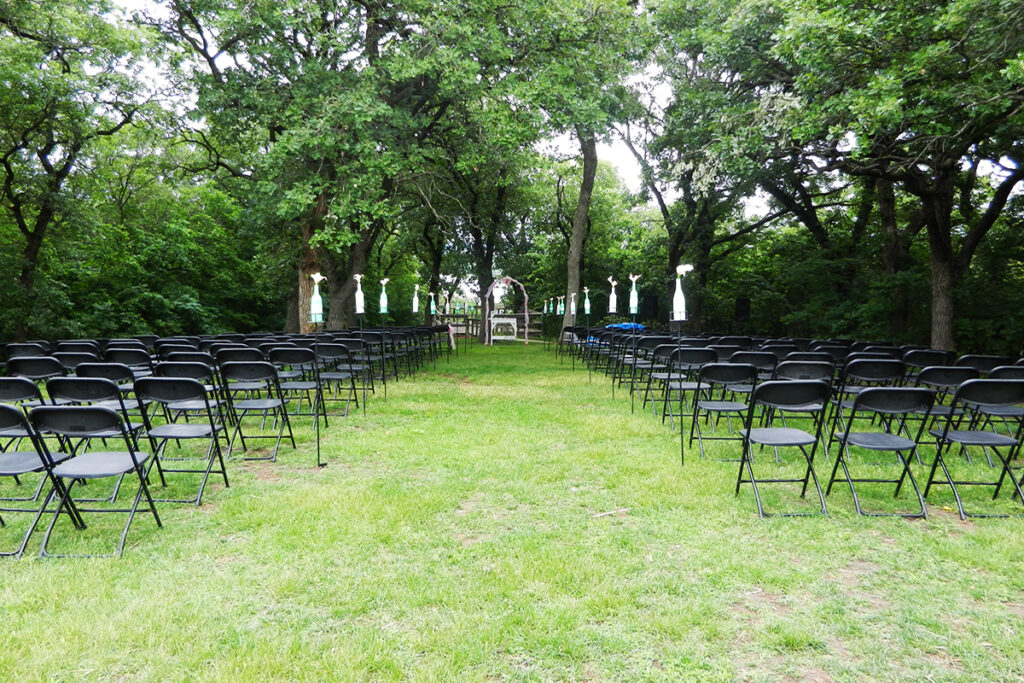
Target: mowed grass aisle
459, 532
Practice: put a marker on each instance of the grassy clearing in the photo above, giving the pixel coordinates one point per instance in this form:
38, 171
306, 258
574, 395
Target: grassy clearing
457, 534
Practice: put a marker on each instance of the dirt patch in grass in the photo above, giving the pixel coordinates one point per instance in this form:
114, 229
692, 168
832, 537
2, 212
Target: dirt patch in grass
1015, 608
756, 602
471, 539
850, 579
264, 471
812, 675
471, 504
943, 660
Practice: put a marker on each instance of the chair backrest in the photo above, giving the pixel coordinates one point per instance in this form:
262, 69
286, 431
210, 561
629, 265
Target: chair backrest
196, 371
1007, 372
82, 389
804, 370
742, 342
239, 354
78, 422
762, 360
79, 346
922, 358
191, 357
983, 364
12, 422
991, 392
334, 353
249, 371
24, 349
814, 356
18, 390
125, 344
725, 350
294, 357
35, 367
895, 400
169, 389
267, 347
791, 394
945, 377
728, 373
130, 356
663, 352
884, 349
165, 350
650, 342
686, 359
116, 372
872, 371
72, 359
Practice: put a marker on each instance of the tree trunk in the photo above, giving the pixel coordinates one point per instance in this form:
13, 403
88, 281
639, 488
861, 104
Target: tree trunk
943, 282
307, 266
588, 146
342, 287
938, 210
484, 271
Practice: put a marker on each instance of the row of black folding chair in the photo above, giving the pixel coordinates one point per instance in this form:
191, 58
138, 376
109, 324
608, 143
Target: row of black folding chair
59, 445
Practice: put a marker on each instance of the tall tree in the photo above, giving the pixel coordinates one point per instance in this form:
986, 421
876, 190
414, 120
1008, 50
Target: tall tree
69, 79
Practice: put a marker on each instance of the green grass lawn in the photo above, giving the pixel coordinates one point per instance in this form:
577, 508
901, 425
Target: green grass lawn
459, 532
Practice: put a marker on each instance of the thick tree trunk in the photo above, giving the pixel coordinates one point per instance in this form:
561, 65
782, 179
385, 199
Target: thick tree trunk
484, 271
307, 266
938, 211
588, 147
342, 287
943, 313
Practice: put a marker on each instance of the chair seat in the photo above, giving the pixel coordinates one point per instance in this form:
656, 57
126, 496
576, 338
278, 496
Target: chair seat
193, 404
722, 406
334, 376
779, 436
1015, 412
258, 404
245, 386
299, 386
181, 430
99, 464
13, 433
976, 438
23, 462
878, 441
667, 375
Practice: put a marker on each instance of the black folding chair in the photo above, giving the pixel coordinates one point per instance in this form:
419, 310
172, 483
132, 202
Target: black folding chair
715, 399
190, 415
261, 399
22, 394
891, 408
964, 429
86, 425
23, 461
779, 396
338, 376
302, 383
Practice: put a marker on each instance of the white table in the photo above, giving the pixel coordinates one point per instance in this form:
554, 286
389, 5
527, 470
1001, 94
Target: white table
508, 322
